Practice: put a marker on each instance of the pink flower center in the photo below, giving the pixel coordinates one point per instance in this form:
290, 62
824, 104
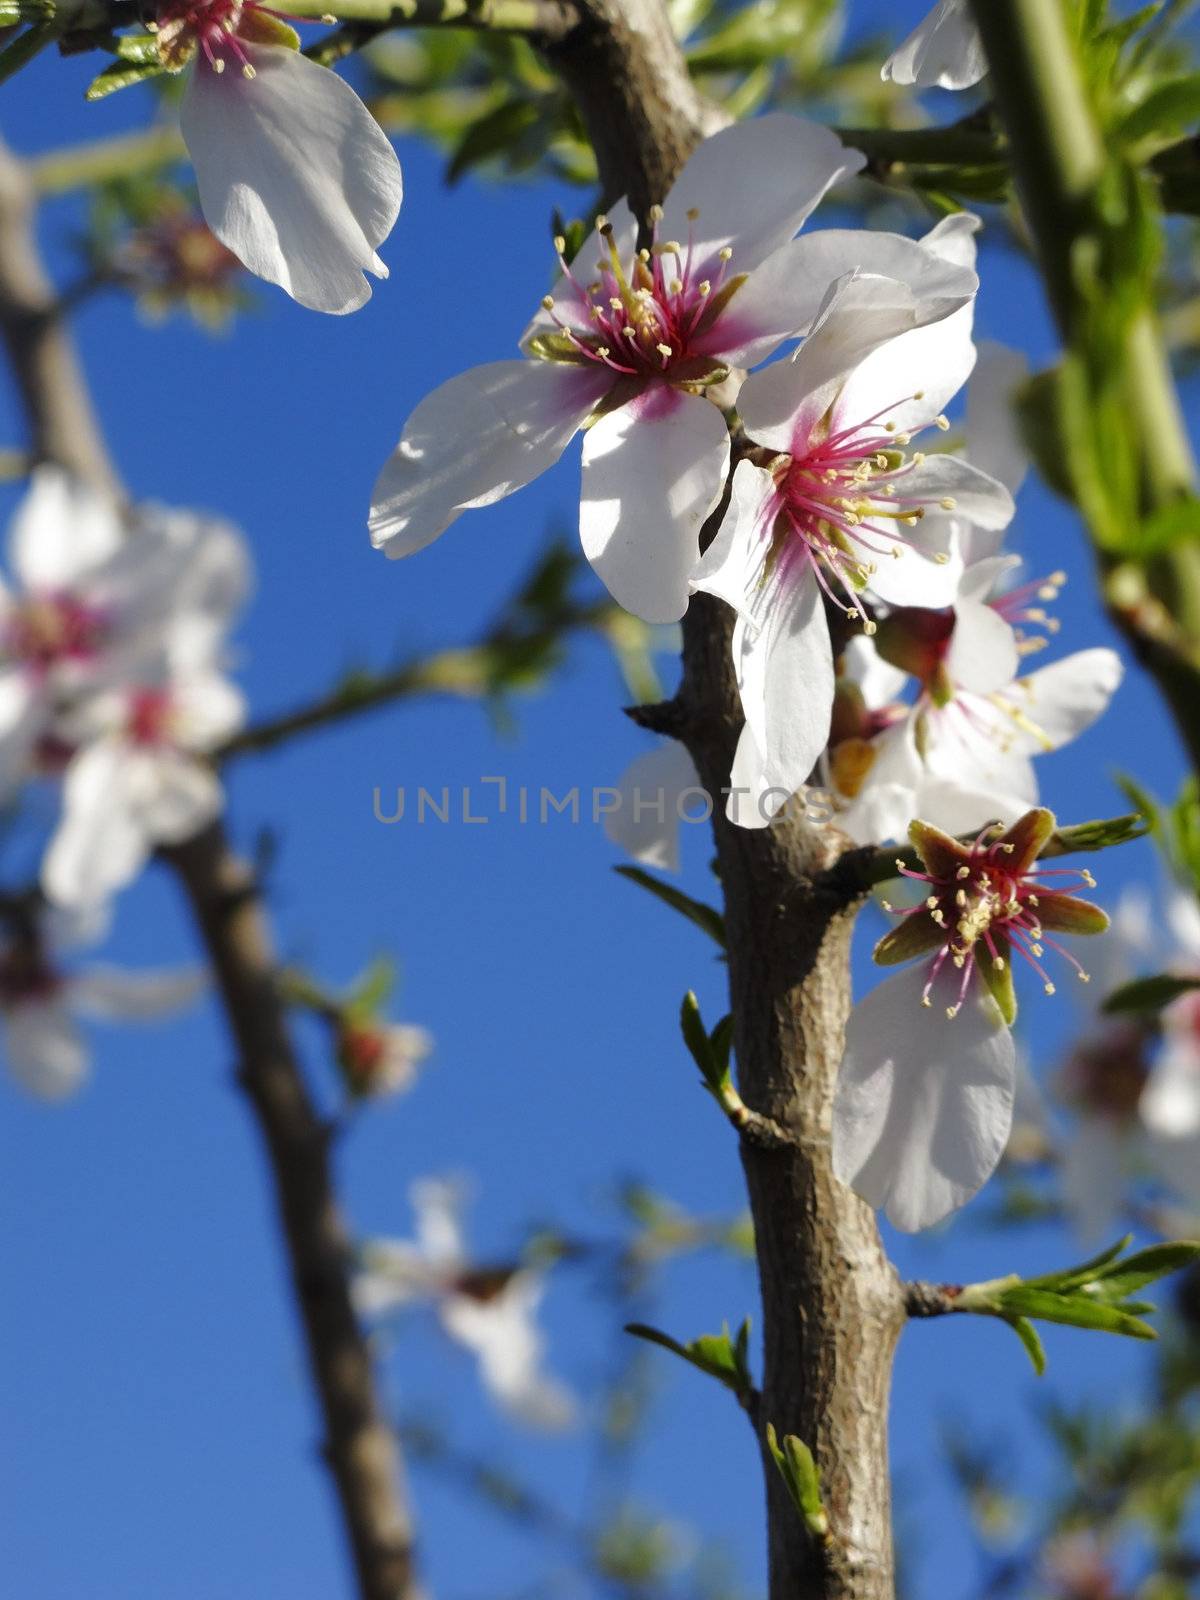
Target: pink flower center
148, 717
840, 501
984, 899
647, 315
48, 630
211, 26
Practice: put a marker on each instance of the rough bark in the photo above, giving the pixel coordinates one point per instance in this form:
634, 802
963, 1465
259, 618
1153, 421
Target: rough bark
832, 1305
359, 1447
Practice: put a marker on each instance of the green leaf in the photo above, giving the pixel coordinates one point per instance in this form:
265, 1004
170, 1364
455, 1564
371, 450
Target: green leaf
1123, 1278
1071, 1277
120, 76
1029, 1337
695, 1036
1148, 994
1073, 1311
715, 1354
18, 52
492, 136
799, 1472
707, 918
373, 990
140, 49
1169, 112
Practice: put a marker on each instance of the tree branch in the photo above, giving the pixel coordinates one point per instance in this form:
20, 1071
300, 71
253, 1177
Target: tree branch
359, 1447
832, 1306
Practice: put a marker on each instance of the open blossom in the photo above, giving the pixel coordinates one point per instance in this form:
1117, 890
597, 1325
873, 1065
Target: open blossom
93, 598
944, 52
490, 1310
379, 1058
1136, 1099
138, 778
962, 751
41, 999
295, 175
925, 1092
833, 502
629, 343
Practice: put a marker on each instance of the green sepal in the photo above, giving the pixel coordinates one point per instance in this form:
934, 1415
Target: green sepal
120, 75
1063, 913
259, 27
1028, 836
998, 976
913, 936
942, 854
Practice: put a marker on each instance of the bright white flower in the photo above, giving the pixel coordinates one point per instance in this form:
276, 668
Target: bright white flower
925, 1092
137, 779
646, 819
295, 175
93, 598
489, 1310
835, 506
628, 344
961, 753
944, 52
40, 1000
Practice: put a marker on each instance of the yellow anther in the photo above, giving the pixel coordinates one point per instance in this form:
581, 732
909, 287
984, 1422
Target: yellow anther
1050, 989
952, 1012
248, 71
999, 963
943, 423
926, 1001
725, 254
962, 873
704, 287
219, 64
655, 213
948, 502
547, 302
870, 629
1084, 977
560, 244
692, 213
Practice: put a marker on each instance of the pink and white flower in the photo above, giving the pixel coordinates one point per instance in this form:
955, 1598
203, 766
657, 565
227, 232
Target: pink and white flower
138, 778
295, 175
41, 1000
491, 1311
943, 52
831, 503
95, 595
925, 1093
628, 346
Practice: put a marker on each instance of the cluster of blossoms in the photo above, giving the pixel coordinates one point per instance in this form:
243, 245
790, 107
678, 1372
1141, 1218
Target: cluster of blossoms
112, 692
489, 1309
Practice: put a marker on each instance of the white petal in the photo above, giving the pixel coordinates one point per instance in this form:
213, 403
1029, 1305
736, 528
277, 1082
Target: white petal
911, 378
295, 175
100, 843
785, 676
983, 649
1170, 1102
177, 796
438, 1204
24, 714
504, 1337
924, 1101
964, 805
820, 258
881, 683
44, 1049
754, 184
993, 437
731, 567
953, 238
944, 52
1093, 1164
652, 472
116, 995
645, 823
1057, 703
60, 530
478, 438
207, 709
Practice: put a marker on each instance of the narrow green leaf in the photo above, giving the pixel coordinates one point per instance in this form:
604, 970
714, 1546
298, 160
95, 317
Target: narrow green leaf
715, 1354
1148, 994
1086, 1270
1126, 1277
1072, 1310
21, 50
1030, 1338
695, 1036
706, 918
121, 75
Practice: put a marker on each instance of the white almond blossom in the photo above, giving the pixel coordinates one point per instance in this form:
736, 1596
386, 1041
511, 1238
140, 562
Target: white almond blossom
627, 345
944, 52
925, 1092
491, 1311
295, 175
40, 1000
94, 595
961, 754
835, 506
645, 822
138, 778
1136, 1104
380, 1058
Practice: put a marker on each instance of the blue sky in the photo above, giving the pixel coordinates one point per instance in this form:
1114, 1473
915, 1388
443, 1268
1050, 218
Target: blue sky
159, 1437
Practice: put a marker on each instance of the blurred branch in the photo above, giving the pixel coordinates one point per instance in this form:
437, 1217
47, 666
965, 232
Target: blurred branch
126, 155
359, 1446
